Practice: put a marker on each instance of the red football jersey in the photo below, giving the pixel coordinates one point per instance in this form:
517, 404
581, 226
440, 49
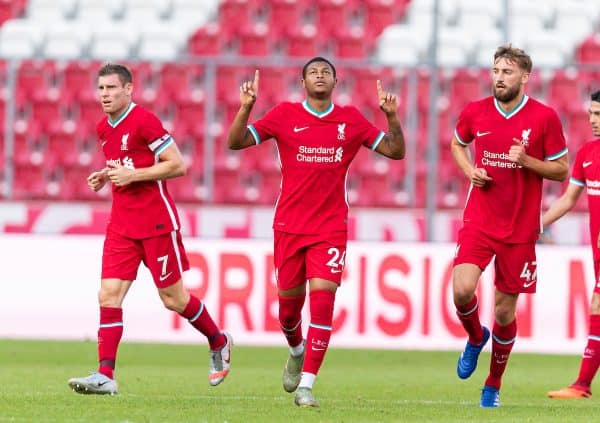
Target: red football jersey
134, 140
508, 208
586, 173
315, 152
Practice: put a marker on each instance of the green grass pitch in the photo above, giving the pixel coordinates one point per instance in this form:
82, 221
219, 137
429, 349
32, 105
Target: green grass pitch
168, 383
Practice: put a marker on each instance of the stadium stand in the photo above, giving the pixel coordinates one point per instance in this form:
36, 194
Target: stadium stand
55, 107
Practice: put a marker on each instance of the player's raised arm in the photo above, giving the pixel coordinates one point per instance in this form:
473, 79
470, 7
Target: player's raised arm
392, 145
239, 137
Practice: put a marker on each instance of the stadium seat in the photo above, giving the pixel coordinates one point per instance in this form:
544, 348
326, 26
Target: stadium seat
113, 40
382, 13
331, 16
20, 39
66, 40
564, 87
50, 10
79, 80
589, 51
207, 41
303, 42
29, 183
283, 15
234, 14
255, 40
352, 44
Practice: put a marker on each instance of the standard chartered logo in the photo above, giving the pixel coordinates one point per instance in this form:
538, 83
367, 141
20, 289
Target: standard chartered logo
319, 154
497, 160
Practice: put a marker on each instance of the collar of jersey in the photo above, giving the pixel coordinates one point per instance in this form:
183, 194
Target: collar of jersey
118, 120
514, 111
314, 112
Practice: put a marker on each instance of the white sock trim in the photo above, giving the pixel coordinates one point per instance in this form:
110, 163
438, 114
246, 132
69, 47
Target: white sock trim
307, 380
297, 350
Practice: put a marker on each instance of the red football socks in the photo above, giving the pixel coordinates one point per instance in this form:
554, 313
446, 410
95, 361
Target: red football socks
290, 318
503, 339
591, 355
199, 318
319, 331
468, 315
109, 336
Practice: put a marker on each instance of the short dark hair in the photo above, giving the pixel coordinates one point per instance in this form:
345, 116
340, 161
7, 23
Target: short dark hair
317, 59
596, 96
516, 55
113, 68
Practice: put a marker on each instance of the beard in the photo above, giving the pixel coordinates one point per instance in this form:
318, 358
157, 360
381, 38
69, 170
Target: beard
508, 95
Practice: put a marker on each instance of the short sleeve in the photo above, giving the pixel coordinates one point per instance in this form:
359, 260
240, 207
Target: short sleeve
266, 127
577, 176
368, 133
464, 127
154, 134
555, 145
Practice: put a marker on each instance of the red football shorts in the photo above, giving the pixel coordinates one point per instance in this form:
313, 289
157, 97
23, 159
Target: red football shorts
163, 255
515, 264
301, 257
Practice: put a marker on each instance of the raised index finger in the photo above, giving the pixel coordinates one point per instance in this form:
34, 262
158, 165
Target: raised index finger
256, 77
379, 87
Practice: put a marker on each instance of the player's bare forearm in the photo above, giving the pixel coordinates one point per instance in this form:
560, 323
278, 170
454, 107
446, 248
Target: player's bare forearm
462, 157
393, 142
555, 170
160, 171
239, 136
562, 205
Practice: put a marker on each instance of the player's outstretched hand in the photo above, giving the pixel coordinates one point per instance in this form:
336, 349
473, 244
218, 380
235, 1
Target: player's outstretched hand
249, 91
387, 101
97, 180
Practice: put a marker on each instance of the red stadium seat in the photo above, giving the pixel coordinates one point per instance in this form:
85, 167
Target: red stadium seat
589, 51
303, 42
382, 13
208, 40
283, 15
331, 16
255, 40
564, 88
466, 86
48, 113
235, 15
79, 79
351, 44
29, 183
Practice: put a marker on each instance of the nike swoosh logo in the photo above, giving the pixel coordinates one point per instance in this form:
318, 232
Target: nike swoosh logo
104, 142
103, 383
501, 361
318, 349
296, 129
336, 271
528, 284
587, 356
481, 134
163, 277
586, 164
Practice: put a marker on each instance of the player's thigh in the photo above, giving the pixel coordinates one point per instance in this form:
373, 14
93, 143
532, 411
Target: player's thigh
516, 268
474, 251
121, 257
289, 257
326, 257
166, 259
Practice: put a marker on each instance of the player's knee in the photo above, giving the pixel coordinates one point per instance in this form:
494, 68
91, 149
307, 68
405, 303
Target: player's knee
462, 294
595, 306
109, 297
504, 315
